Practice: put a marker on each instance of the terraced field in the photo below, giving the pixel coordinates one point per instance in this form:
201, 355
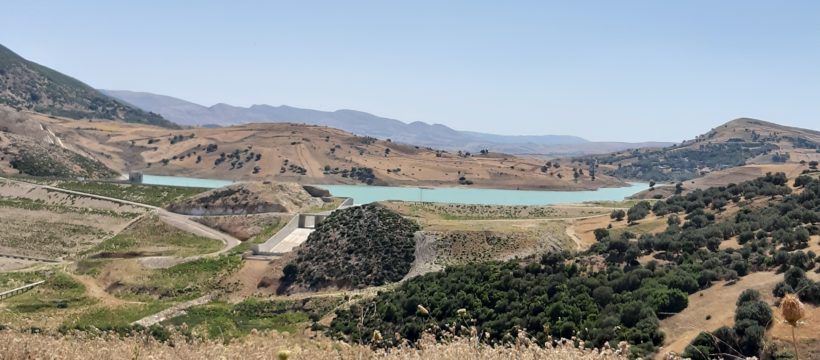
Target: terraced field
42, 223
150, 236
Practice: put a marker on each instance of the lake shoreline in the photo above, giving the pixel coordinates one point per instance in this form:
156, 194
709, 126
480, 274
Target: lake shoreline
161, 180
363, 194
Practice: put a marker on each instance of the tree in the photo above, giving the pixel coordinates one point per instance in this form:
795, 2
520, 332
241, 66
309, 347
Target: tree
290, 271
601, 234
747, 296
638, 212
669, 300
618, 215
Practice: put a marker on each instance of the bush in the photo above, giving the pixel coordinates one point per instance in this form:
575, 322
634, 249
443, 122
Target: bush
638, 212
601, 234
356, 247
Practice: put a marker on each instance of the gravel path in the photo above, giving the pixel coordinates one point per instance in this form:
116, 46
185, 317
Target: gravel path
172, 312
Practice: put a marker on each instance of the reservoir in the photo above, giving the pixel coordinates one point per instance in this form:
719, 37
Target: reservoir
363, 194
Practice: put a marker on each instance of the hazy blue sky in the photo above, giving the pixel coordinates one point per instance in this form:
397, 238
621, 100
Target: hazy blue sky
604, 70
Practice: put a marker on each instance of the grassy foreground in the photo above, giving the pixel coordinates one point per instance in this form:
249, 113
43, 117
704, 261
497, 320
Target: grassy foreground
18, 346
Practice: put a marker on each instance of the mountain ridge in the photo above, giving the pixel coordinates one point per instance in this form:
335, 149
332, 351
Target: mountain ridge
28, 85
362, 123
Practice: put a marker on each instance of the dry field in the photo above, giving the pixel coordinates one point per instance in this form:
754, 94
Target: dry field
42, 223
718, 302
584, 228
458, 234
436, 211
149, 236
9, 264
460, 247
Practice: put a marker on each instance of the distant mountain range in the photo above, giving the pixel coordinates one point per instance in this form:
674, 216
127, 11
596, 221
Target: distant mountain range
31, 86
418, 133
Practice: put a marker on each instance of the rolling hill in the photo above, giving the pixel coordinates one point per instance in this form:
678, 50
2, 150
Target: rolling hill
738, 150
285, 152
31, 86
362, 123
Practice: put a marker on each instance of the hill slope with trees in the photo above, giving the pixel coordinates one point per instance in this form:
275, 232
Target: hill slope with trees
606, 295
31, 86
734, 144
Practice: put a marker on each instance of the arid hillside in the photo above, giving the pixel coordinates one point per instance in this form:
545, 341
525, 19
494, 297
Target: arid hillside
247, 198
31, 148
296, 153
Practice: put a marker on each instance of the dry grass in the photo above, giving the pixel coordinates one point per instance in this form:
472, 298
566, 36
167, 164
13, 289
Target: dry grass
436, 211
19, 346
808, 342
718, 303
151, 236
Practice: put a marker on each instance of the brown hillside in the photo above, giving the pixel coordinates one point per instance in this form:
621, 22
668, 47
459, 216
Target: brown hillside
247, 198
302, 153
31, 148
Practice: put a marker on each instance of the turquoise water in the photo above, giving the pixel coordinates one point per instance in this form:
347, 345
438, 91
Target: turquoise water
363, 194
184, 181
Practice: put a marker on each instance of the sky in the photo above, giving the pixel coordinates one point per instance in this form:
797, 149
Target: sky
603, 70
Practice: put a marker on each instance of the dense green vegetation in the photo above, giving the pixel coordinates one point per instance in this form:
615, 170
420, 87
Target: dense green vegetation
361, 246
566, 295
555, 296
28, 85
677, 164
155, 195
